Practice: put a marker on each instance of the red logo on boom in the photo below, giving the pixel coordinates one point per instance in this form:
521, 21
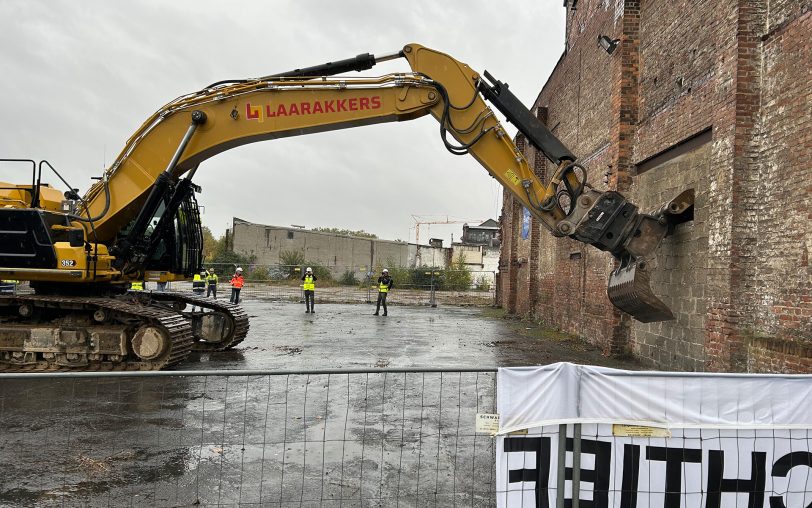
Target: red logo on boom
318, 107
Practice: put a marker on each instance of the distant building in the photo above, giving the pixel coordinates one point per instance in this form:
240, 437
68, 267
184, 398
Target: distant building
486, 234
479, 246
343, 252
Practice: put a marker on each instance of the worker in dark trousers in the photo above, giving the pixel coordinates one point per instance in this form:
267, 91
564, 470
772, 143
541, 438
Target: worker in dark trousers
384, 285
211, 284
309, 286
237, 283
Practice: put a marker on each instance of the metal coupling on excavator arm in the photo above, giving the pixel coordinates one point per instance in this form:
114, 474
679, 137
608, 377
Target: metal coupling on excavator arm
611, 223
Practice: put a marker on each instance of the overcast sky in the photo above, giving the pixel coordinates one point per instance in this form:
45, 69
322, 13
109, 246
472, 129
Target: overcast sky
79, 77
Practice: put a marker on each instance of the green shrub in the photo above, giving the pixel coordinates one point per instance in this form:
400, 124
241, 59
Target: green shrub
458, 277
400, 275
257, 273
482, 283
291, 260
348, 278
425, 276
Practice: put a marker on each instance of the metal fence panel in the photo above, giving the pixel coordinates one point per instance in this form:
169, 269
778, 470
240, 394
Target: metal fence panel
281, 283
379, 438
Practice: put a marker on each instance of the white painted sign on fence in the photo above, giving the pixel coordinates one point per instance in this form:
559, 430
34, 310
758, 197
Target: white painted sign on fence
650, 439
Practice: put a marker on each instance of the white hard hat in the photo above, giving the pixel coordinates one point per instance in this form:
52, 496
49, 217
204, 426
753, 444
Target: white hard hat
309, 269
385, 270
239, 268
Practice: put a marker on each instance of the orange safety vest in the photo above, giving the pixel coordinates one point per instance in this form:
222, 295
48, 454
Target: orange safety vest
237, 281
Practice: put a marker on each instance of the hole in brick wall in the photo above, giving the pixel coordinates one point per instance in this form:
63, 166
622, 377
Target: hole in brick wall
686, 216
575, 255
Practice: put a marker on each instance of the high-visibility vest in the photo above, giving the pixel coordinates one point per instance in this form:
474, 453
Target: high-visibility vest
197, 281
383, 288
308, 285
237, 281
211, 279
136, 286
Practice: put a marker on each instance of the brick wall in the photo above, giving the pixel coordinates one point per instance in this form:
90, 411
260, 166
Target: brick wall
780, 310
713, 96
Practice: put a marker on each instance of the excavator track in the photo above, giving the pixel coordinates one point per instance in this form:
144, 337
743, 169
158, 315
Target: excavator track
71, 339
234, 330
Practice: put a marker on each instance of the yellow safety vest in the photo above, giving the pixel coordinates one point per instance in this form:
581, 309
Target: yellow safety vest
136, 286
383, 288
308, 283
211, 279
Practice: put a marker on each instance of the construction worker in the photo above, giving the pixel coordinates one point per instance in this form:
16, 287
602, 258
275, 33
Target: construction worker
211, 284
8, 286
309, 286
199, 283
137, 285
384, 285
237, 283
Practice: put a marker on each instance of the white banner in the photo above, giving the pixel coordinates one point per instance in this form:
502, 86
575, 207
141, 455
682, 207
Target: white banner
744, 444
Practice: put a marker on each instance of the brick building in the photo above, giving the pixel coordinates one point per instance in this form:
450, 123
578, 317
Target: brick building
710, 95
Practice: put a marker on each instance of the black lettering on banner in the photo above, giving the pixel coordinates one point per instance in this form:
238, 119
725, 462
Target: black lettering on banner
631, 476
781, 468
717, 483
598, 477
673, 458
541, 474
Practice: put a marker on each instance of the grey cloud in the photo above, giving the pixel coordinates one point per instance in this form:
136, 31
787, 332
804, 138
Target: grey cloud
80, 77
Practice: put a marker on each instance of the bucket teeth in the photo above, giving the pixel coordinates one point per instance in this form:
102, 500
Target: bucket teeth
630, 291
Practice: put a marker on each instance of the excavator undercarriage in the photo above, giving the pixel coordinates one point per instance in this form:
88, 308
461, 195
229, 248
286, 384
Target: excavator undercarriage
133, 331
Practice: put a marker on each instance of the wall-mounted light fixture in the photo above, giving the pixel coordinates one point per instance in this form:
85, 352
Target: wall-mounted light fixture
608, 44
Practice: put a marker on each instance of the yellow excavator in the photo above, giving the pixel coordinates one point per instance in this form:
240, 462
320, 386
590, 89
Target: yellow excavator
140, 220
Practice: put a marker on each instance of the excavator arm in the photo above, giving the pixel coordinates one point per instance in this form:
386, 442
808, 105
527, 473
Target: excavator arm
142, 191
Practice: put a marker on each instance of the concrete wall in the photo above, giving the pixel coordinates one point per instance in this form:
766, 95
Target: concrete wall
267, 243
712, 96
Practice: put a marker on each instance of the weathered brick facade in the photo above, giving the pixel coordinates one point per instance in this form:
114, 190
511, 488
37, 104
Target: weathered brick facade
710, 95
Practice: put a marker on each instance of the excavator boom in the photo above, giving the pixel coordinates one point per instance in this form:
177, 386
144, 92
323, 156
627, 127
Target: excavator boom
309, 100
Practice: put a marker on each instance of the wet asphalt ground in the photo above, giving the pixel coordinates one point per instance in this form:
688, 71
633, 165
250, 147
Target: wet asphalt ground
380, 439
283, 336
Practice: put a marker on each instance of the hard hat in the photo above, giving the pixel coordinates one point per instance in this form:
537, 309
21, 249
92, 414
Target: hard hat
309, 269
385, 270
239, 269
211, 270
